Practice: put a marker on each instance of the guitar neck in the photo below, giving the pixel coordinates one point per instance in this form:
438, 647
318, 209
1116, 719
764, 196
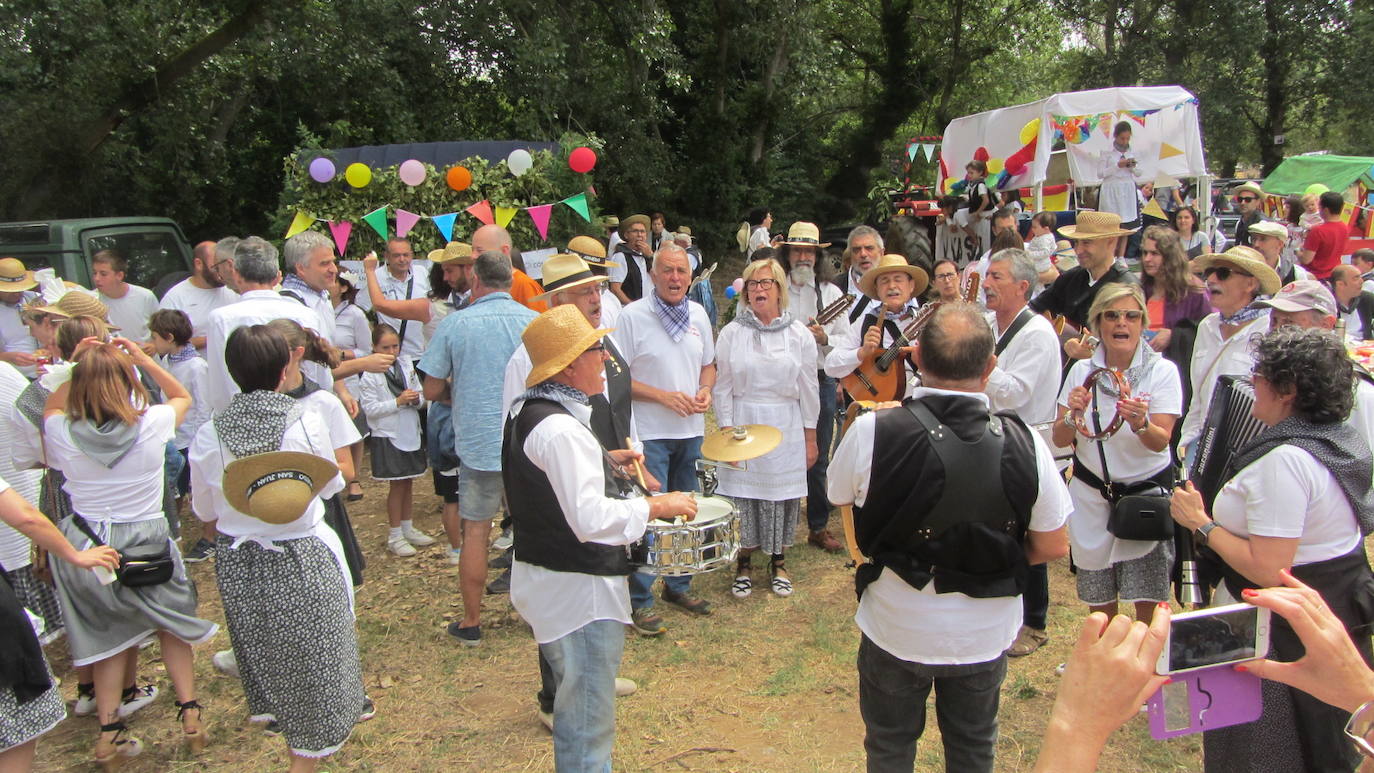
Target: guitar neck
829, 313
910, 332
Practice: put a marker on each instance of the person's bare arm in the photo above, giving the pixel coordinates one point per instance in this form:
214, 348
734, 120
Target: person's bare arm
434, 388
1045, 546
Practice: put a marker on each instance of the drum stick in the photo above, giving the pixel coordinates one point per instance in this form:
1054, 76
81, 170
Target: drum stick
639, 468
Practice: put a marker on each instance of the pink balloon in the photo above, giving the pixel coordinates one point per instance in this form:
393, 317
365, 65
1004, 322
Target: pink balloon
412, 172
738, 284
322, 170
581, 160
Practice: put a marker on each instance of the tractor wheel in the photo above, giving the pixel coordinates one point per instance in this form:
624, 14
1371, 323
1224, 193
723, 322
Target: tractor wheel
907, 236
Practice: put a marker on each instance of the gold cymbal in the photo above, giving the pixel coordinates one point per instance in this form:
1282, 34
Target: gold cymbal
740, 443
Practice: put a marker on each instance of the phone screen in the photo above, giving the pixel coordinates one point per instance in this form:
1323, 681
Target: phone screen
1213, 639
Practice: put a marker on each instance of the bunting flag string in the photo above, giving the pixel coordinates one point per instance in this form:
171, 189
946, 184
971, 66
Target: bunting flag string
578, 204
540, 216
504, 215
911, 151
482, 211
341, 231
377, 219
928, 148
299, 223
404, 222
445, 224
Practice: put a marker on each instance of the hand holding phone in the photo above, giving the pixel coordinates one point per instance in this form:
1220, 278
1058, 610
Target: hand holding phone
1218, 636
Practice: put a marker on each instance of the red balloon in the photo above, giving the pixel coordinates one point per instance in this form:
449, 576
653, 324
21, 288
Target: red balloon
581, 160
981, 154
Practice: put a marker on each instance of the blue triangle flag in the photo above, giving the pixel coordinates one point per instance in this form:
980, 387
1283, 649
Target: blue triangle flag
445, 224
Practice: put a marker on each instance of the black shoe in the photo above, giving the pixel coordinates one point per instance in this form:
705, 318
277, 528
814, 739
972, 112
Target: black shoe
499, 585
200, 551
502, 561
272, 729
469, 637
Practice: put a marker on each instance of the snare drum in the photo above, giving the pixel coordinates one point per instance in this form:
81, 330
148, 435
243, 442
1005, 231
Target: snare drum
675, 549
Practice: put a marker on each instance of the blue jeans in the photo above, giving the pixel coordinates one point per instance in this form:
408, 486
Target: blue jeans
892, 700
673, 462
584, 664
817, 502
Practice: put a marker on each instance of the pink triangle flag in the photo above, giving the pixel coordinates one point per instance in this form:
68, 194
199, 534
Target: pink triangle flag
504, 215
482, 211
341, 232
405, 221
540, 216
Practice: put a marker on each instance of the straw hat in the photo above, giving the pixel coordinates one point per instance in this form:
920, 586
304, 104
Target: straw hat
635, 220
564, 272
14, 278
77, 303
1249, 187
1246, 259
684, 230
276, 487
453, 251
589, 249
1095, 225
609, 221
890, 263
555, 338
803, 234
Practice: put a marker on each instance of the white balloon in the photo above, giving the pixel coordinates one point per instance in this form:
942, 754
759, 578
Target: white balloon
519, 161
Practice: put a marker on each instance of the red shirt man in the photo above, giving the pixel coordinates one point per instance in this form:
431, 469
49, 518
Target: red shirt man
1325, 243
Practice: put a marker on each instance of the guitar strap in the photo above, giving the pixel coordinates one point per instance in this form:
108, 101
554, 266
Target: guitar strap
1015, 327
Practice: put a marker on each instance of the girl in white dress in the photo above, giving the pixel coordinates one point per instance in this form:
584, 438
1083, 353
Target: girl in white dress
392, 401
1119, 171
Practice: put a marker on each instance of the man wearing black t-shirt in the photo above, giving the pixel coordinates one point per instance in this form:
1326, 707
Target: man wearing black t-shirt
1094, 242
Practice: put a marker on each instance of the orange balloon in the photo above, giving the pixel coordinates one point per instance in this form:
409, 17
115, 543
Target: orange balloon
459, 178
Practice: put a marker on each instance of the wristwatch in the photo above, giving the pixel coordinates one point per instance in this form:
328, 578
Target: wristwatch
1360, 729
1204, 531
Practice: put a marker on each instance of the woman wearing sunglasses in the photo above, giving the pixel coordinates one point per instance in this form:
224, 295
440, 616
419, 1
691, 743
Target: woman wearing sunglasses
1234, 278
1112, 570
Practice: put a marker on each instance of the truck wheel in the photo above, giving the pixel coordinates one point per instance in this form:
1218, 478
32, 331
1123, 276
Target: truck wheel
906, 236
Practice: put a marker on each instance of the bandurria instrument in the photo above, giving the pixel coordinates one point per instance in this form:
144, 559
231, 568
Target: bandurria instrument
828, 314
1123, 389
970, 291
881, 375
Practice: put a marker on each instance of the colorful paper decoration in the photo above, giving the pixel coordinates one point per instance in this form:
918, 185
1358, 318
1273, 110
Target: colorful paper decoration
377, 219
1168, 151
322, 170
341, 231
411, 172
911, 149
928, 148
581, 160
404, 222
299, 223
443, 222
504, 215
458, 178
578, 204
482, 211
358, 175
519, 161
540, 216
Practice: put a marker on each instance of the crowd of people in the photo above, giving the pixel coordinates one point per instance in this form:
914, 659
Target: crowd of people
250, 391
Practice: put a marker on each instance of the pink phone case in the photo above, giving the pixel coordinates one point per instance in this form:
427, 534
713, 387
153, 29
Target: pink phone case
1204, 700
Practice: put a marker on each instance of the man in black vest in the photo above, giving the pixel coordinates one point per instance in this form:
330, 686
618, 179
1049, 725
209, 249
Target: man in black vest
896, 285
953, 503
633, 259
571, 531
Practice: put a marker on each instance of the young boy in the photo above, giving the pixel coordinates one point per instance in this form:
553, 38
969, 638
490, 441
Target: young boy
170, 331
1041, 248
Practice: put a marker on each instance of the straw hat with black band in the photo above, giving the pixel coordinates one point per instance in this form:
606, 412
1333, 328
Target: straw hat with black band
1249, 187
458, 252
803, 234
889, 264
276, 487
1245, 259
555, 338
564, 272
589, 249
76, 303
1095, 225
14, 277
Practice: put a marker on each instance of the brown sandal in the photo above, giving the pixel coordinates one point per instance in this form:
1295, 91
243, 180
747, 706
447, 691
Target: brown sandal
111, 754
194, 729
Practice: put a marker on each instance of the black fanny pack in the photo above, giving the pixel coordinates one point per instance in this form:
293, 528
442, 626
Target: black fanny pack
139, 566
1140, 510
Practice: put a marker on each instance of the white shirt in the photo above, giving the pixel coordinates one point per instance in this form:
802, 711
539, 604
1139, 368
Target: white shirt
351, 330
130, 314
194, 375
1288, 493
1026, 379
655, 359
129, 491
1362, 413
386, 419
14, 334
413, 343
804, 305
340, 428
256, 307
319, 302
922, 626
14, 546
557, 603
610, 307
848, 340
197, 302
1354, 329
1212, 359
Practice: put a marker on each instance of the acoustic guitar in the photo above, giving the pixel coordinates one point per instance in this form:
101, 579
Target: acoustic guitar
881, 376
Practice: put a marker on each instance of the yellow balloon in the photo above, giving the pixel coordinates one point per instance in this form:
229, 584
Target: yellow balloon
1030, 131
995, 166
358, 175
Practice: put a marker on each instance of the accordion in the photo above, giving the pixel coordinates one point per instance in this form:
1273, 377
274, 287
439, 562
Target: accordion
1228, 428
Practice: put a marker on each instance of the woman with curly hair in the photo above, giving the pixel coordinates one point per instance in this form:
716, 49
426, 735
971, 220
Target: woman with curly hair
1172, 294
1300, 497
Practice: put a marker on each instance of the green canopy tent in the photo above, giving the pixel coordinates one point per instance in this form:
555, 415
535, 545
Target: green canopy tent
1293, 175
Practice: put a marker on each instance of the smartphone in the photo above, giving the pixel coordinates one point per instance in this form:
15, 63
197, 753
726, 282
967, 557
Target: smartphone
1218, 636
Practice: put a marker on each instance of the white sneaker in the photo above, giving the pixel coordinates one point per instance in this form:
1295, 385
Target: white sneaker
453, 554
418, 538
504, 541
625, 687
85, 705
401, 547
141, 697
226, 663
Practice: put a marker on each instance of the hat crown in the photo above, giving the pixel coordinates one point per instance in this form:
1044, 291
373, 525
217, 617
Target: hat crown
12, 268
452, 251
78, 303
554, 339
562, 266
804, 231
1092, 224
586, 245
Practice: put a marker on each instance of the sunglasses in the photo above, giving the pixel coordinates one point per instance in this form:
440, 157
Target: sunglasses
1131, 315
1246, 198
1222, 273
597, 348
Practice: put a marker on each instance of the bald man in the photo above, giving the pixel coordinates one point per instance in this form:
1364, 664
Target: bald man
523, 287
1356, 305
200, 293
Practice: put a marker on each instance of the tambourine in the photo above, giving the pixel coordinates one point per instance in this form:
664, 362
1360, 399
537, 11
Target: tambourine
1123, 388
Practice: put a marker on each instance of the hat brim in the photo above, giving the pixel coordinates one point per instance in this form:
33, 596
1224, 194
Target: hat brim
545, 370
868, 282
27, 283
1071, 232
1269, 279
241, 474
58, 311
557, 287
1283, 304
806, 244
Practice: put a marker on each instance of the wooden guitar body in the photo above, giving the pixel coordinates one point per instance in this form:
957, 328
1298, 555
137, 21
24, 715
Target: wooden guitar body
870, 381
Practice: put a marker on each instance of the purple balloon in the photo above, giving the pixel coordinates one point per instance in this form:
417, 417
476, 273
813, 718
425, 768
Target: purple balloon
322, 170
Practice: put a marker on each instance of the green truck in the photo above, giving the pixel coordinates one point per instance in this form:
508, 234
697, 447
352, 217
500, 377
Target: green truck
157, 250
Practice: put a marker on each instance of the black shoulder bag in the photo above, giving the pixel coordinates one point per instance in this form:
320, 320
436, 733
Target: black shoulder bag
1140, 510
138, 567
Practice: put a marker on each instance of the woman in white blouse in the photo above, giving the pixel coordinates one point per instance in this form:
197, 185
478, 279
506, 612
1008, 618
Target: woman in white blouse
352, 336
1299, 499
1112, 570
766, 374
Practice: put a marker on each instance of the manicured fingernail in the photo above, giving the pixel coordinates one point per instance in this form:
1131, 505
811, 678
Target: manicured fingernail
1163, 605
1243, 668
1249, 593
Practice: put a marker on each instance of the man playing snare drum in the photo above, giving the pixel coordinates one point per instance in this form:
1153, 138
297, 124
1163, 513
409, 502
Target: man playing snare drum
568, 577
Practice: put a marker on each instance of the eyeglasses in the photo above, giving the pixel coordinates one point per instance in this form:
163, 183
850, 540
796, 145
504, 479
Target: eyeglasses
942, 277
1222, 273
1247, 198
1131, 315
598, 349
759, 284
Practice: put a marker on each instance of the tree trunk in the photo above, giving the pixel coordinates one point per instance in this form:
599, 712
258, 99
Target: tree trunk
1276, 72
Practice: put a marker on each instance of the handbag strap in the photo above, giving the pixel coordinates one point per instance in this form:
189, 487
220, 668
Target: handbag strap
1100, 442
401, 334
85, 528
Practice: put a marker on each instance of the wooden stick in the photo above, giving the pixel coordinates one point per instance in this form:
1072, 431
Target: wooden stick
639, 468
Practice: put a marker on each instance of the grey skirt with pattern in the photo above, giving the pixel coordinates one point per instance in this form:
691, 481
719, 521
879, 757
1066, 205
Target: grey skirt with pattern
768, 526
294, 638
23, 722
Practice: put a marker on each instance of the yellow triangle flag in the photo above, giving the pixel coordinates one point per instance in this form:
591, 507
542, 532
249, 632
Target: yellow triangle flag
504, 215
1152, 209
299, 223
1168, 151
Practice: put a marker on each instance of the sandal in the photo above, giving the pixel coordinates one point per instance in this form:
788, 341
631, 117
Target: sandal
780, 584
109, 755
351, 497
194, 730
742, 587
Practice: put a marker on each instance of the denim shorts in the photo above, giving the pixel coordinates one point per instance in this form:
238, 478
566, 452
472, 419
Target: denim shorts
479, 493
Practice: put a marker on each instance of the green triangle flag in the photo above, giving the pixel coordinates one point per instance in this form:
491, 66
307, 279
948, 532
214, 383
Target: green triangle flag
579, 205
377, 219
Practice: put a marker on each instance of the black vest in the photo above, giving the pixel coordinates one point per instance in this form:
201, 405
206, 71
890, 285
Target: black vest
611, 419
633, 286
542, 534
969, 539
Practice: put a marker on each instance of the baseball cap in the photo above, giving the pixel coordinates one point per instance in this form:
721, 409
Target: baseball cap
1302, 295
